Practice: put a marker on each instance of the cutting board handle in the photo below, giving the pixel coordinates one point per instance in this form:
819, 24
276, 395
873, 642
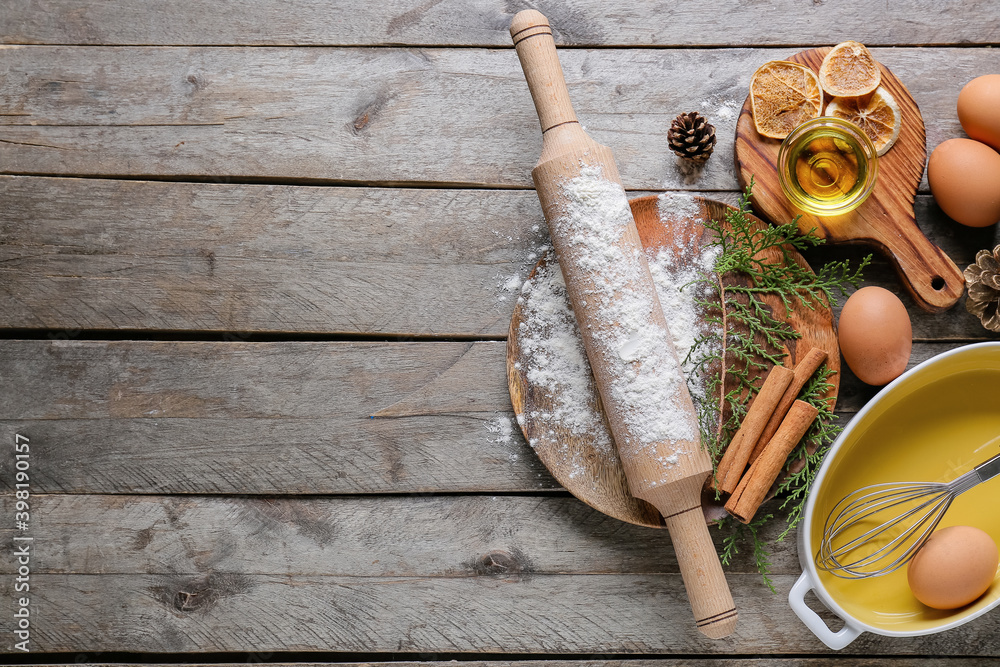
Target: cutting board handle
932, 278
532, 37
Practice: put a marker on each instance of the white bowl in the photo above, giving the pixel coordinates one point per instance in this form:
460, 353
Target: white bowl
930, 424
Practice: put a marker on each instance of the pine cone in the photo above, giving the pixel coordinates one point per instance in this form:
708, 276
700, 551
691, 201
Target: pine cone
691, 137
983, 281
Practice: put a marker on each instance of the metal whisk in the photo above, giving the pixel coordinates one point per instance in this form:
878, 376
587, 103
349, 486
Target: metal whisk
903, 516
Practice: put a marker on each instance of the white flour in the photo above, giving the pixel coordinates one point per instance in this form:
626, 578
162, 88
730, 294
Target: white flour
678, 208
646, 381
675, 272
532, 246
642, 375
724, 112
549, 336
501, 429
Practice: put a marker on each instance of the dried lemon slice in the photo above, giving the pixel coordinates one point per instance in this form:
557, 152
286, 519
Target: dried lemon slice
877, 114
783, 95
849, 70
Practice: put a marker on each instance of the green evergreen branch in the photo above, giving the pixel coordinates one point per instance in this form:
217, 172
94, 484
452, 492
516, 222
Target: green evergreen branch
749, 533
742, 358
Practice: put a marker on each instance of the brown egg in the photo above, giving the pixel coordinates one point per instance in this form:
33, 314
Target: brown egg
965, 180
977, 109
875, 335
954, 567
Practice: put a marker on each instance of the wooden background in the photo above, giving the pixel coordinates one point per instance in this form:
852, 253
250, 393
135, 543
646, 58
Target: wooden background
254, 270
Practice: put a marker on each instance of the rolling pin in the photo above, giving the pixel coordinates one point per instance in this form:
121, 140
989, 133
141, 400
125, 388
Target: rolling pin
638, 376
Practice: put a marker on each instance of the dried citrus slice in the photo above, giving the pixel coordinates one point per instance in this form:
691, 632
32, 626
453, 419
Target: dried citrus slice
849, 70
877, 114
783, 95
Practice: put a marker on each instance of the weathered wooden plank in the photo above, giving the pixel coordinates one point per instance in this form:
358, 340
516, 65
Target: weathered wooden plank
389, 115
484, 23
276, 418
78, 253
103, 254
587, 614
418, 454
598, 660
164, 380
394, 536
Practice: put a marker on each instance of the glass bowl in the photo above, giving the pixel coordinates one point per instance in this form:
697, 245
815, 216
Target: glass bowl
827, 166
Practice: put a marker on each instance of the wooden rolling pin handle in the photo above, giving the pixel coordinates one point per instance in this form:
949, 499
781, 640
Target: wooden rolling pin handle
536, 50
674, 489
711, 601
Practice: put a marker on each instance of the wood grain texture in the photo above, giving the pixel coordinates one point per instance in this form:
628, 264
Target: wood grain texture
108, 254
387, 116
602, 660
587, 614
195, 562
574, 459
277, 418
353, 536
483, 23
272, 537
240, 418
80, 254
886, 219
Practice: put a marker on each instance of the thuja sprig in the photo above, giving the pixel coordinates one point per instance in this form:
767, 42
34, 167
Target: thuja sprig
748, 339
744, 247
740, 533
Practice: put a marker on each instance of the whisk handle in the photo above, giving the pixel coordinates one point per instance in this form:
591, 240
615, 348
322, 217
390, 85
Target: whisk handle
989, 469
797, 600
984, 471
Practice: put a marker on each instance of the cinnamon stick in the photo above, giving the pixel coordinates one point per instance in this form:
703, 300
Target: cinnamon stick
734, 461
753, 488
803, 371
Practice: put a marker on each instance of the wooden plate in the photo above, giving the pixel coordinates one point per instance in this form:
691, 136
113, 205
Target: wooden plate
885, 220
584, 460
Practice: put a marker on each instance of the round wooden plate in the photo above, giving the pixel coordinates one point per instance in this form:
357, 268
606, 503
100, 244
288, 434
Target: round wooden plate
885, 220
585, 461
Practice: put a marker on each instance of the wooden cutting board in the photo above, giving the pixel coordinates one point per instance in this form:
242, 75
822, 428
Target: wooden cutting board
885, 220
586, 463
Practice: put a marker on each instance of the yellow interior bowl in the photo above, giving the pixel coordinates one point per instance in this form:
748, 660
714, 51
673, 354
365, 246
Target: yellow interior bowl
931, 424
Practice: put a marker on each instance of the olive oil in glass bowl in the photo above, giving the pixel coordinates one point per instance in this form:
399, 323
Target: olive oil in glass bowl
827, 166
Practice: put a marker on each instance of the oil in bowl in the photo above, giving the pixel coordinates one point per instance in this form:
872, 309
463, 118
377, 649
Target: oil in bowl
827, 166
931, 426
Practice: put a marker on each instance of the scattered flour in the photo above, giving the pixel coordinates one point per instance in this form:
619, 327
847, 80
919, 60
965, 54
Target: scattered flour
645, 378
549, 336
501, 429
507, 286
533, 245
724, 111
689, 170
675, 272
679, 208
